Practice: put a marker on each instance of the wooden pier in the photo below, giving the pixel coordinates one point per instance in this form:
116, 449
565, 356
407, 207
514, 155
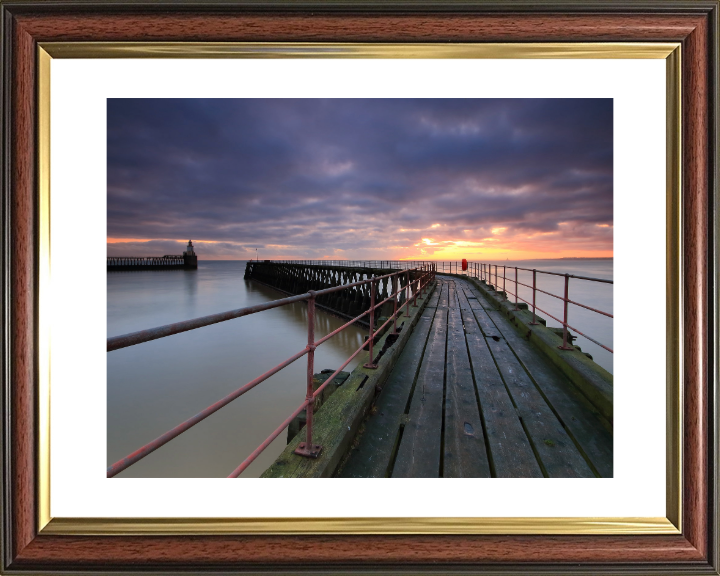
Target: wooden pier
454, 380
470, 397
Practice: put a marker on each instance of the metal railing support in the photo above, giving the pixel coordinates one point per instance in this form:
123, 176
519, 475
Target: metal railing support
371, 337
565, 345
534, 321
407, 294
485, 274
393, 287
307, 448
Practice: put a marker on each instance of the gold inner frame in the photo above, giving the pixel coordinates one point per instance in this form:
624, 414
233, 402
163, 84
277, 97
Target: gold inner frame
671, 52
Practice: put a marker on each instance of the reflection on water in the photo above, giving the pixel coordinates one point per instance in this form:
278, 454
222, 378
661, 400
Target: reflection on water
152, 387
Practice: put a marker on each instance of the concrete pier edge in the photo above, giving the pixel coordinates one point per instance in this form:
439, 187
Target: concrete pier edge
338, 420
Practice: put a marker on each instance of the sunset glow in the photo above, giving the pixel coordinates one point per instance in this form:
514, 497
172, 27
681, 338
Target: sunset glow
361, 179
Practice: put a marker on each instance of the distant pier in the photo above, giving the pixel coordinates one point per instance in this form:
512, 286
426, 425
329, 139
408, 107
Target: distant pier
186, 261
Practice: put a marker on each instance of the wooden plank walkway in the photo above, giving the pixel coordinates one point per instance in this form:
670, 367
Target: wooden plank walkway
469, 397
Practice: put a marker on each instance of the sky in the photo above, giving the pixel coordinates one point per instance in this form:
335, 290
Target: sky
383, 179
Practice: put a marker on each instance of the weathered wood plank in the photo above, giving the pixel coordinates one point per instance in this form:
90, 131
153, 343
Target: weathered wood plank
452, 295
443, 301
464, 450
486, 325
510, 450
373, 455
582, 421
463, 295
339, 419
558, 454
419, 451
433, 302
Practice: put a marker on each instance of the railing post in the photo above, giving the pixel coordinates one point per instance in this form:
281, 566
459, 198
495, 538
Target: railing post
504, 276
407, 293
394, 282
565, 345
307, 448
516, 291
534, 322
369, 363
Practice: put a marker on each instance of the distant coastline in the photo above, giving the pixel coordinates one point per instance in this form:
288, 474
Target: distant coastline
581, 258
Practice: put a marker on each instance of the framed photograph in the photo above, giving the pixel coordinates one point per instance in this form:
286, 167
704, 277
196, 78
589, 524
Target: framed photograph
78, 77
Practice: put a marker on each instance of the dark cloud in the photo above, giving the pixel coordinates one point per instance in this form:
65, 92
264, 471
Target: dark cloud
359, 178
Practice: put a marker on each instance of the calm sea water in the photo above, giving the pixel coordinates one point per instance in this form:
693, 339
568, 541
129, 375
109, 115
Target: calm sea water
152, 387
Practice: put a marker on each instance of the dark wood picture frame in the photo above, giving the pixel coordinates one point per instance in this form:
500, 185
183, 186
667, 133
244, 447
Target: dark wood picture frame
693, 23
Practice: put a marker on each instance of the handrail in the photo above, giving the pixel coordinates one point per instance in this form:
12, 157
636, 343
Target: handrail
426, 275
117, 342
484, 272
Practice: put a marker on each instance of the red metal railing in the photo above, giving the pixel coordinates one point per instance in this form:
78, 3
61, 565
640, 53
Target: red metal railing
484, 272
424, 275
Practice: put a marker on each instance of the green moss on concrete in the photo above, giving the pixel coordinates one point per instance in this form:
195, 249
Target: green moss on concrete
340, 417
318, 380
